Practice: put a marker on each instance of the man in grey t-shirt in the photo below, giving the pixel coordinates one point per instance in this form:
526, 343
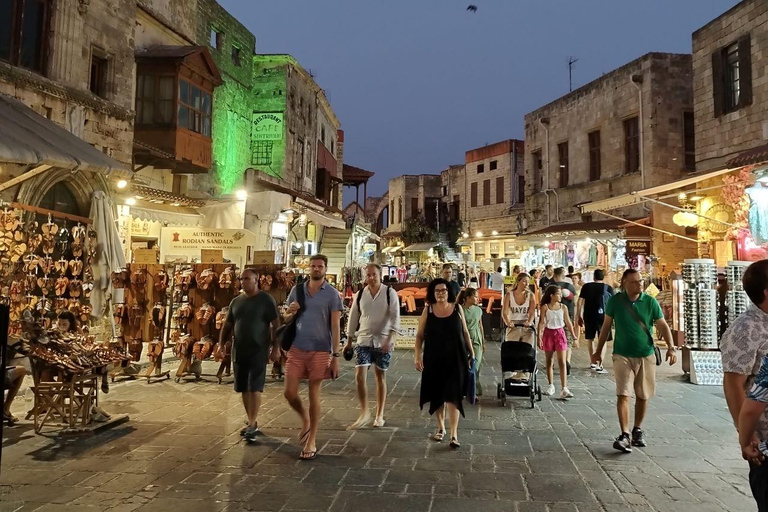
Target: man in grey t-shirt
314, 354
252, 317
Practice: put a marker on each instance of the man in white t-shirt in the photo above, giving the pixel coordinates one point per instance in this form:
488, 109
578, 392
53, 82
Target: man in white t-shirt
497, 280
374, 320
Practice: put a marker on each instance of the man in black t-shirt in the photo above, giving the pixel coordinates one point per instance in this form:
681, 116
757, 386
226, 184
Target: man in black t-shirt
592, 300
252, 319
548, 278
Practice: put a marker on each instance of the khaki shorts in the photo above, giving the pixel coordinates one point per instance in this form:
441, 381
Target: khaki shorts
519, 334
635, 373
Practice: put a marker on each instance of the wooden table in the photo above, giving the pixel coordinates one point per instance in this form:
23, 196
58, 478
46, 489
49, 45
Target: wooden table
66, 397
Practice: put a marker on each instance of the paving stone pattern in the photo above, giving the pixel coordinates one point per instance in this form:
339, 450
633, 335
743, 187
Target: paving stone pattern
181, 450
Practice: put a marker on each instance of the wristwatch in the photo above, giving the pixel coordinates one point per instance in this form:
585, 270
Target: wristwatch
335, 354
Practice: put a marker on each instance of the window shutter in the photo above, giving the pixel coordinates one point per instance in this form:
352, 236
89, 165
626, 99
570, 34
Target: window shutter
717, 81
486, 192
500, 190
745, 71
473, 192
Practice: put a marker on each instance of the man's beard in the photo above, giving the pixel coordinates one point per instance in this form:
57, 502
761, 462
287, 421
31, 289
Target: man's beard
313, 277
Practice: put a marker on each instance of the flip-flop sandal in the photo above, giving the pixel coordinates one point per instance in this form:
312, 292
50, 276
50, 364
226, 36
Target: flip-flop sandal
439, 436
455, 443
10, 418
308, 455
304, 436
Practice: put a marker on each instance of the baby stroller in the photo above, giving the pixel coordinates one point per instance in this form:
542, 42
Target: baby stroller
516, 357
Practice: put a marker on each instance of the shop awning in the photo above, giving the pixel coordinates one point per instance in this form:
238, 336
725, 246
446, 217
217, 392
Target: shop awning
387, 250
754, 156
27, 138
581, 227
173, 216
325, 220
638, 197
421, 247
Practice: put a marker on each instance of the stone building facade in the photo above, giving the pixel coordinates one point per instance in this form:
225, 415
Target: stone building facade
232, 47
627, 130
730, 84
50, 71
494, 188
413, 197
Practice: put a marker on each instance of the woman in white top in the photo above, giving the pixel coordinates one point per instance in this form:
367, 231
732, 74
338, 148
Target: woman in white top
518, 311
473, 281
552, 323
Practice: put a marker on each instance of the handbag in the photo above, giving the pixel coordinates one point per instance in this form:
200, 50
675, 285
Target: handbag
636, 317
286, 333
471, 383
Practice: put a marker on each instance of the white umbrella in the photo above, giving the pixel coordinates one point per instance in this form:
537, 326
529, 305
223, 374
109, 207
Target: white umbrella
109, 254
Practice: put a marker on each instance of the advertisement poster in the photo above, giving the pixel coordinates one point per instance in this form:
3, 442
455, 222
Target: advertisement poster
407, 337
186, 244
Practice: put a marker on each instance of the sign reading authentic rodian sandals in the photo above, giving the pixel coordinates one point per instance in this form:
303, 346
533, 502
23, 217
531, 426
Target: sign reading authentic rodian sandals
267, 126
178, 244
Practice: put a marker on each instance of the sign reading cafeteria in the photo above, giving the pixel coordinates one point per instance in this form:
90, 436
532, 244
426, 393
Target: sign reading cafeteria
267, 126
189, 242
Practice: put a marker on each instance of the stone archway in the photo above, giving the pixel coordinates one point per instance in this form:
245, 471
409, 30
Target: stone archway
81, 184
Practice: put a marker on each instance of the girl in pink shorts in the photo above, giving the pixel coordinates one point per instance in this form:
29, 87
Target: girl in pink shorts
552, 323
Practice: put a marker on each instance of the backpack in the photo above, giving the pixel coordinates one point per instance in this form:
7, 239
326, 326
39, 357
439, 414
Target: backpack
360, 296
605, 298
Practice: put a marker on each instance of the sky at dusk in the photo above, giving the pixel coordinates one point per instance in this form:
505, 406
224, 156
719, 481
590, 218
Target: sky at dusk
416, 83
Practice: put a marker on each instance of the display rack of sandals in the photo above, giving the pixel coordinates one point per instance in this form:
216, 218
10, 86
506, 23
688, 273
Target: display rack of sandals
201, 296
142, 316
66, 367
45, 267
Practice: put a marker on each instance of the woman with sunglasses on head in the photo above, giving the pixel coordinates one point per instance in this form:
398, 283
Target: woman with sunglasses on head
443, 353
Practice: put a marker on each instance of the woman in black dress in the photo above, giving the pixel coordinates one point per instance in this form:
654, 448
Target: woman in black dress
447, 351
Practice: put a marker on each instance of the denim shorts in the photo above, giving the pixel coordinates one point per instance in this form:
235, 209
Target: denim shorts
365, 356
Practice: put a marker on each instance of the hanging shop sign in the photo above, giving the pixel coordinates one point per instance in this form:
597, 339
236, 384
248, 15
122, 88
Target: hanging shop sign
264, 258
638, 248
211, 256
267, 126
145, 256
235, 244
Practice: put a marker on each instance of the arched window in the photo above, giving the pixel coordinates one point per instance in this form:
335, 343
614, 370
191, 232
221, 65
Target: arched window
60, 198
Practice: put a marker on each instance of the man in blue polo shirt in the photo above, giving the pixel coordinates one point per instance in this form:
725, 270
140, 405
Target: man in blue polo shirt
314, 354
634, 361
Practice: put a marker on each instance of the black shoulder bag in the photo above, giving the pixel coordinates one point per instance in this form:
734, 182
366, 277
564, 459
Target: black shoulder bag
286, 333
628, 306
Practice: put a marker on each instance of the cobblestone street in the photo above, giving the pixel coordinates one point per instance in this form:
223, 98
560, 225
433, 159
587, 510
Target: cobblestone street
181, 451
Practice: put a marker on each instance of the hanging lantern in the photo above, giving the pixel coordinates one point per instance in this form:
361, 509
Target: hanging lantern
686, 219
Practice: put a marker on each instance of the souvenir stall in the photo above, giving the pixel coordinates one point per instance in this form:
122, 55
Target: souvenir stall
585, 254
46, 260
66, 369
730, 215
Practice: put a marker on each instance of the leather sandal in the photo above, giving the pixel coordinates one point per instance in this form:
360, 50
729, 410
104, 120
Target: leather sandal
439, 436
308, 455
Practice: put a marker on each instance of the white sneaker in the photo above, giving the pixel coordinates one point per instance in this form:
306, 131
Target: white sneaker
565, 394
549, 390
593, 366
600, 369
